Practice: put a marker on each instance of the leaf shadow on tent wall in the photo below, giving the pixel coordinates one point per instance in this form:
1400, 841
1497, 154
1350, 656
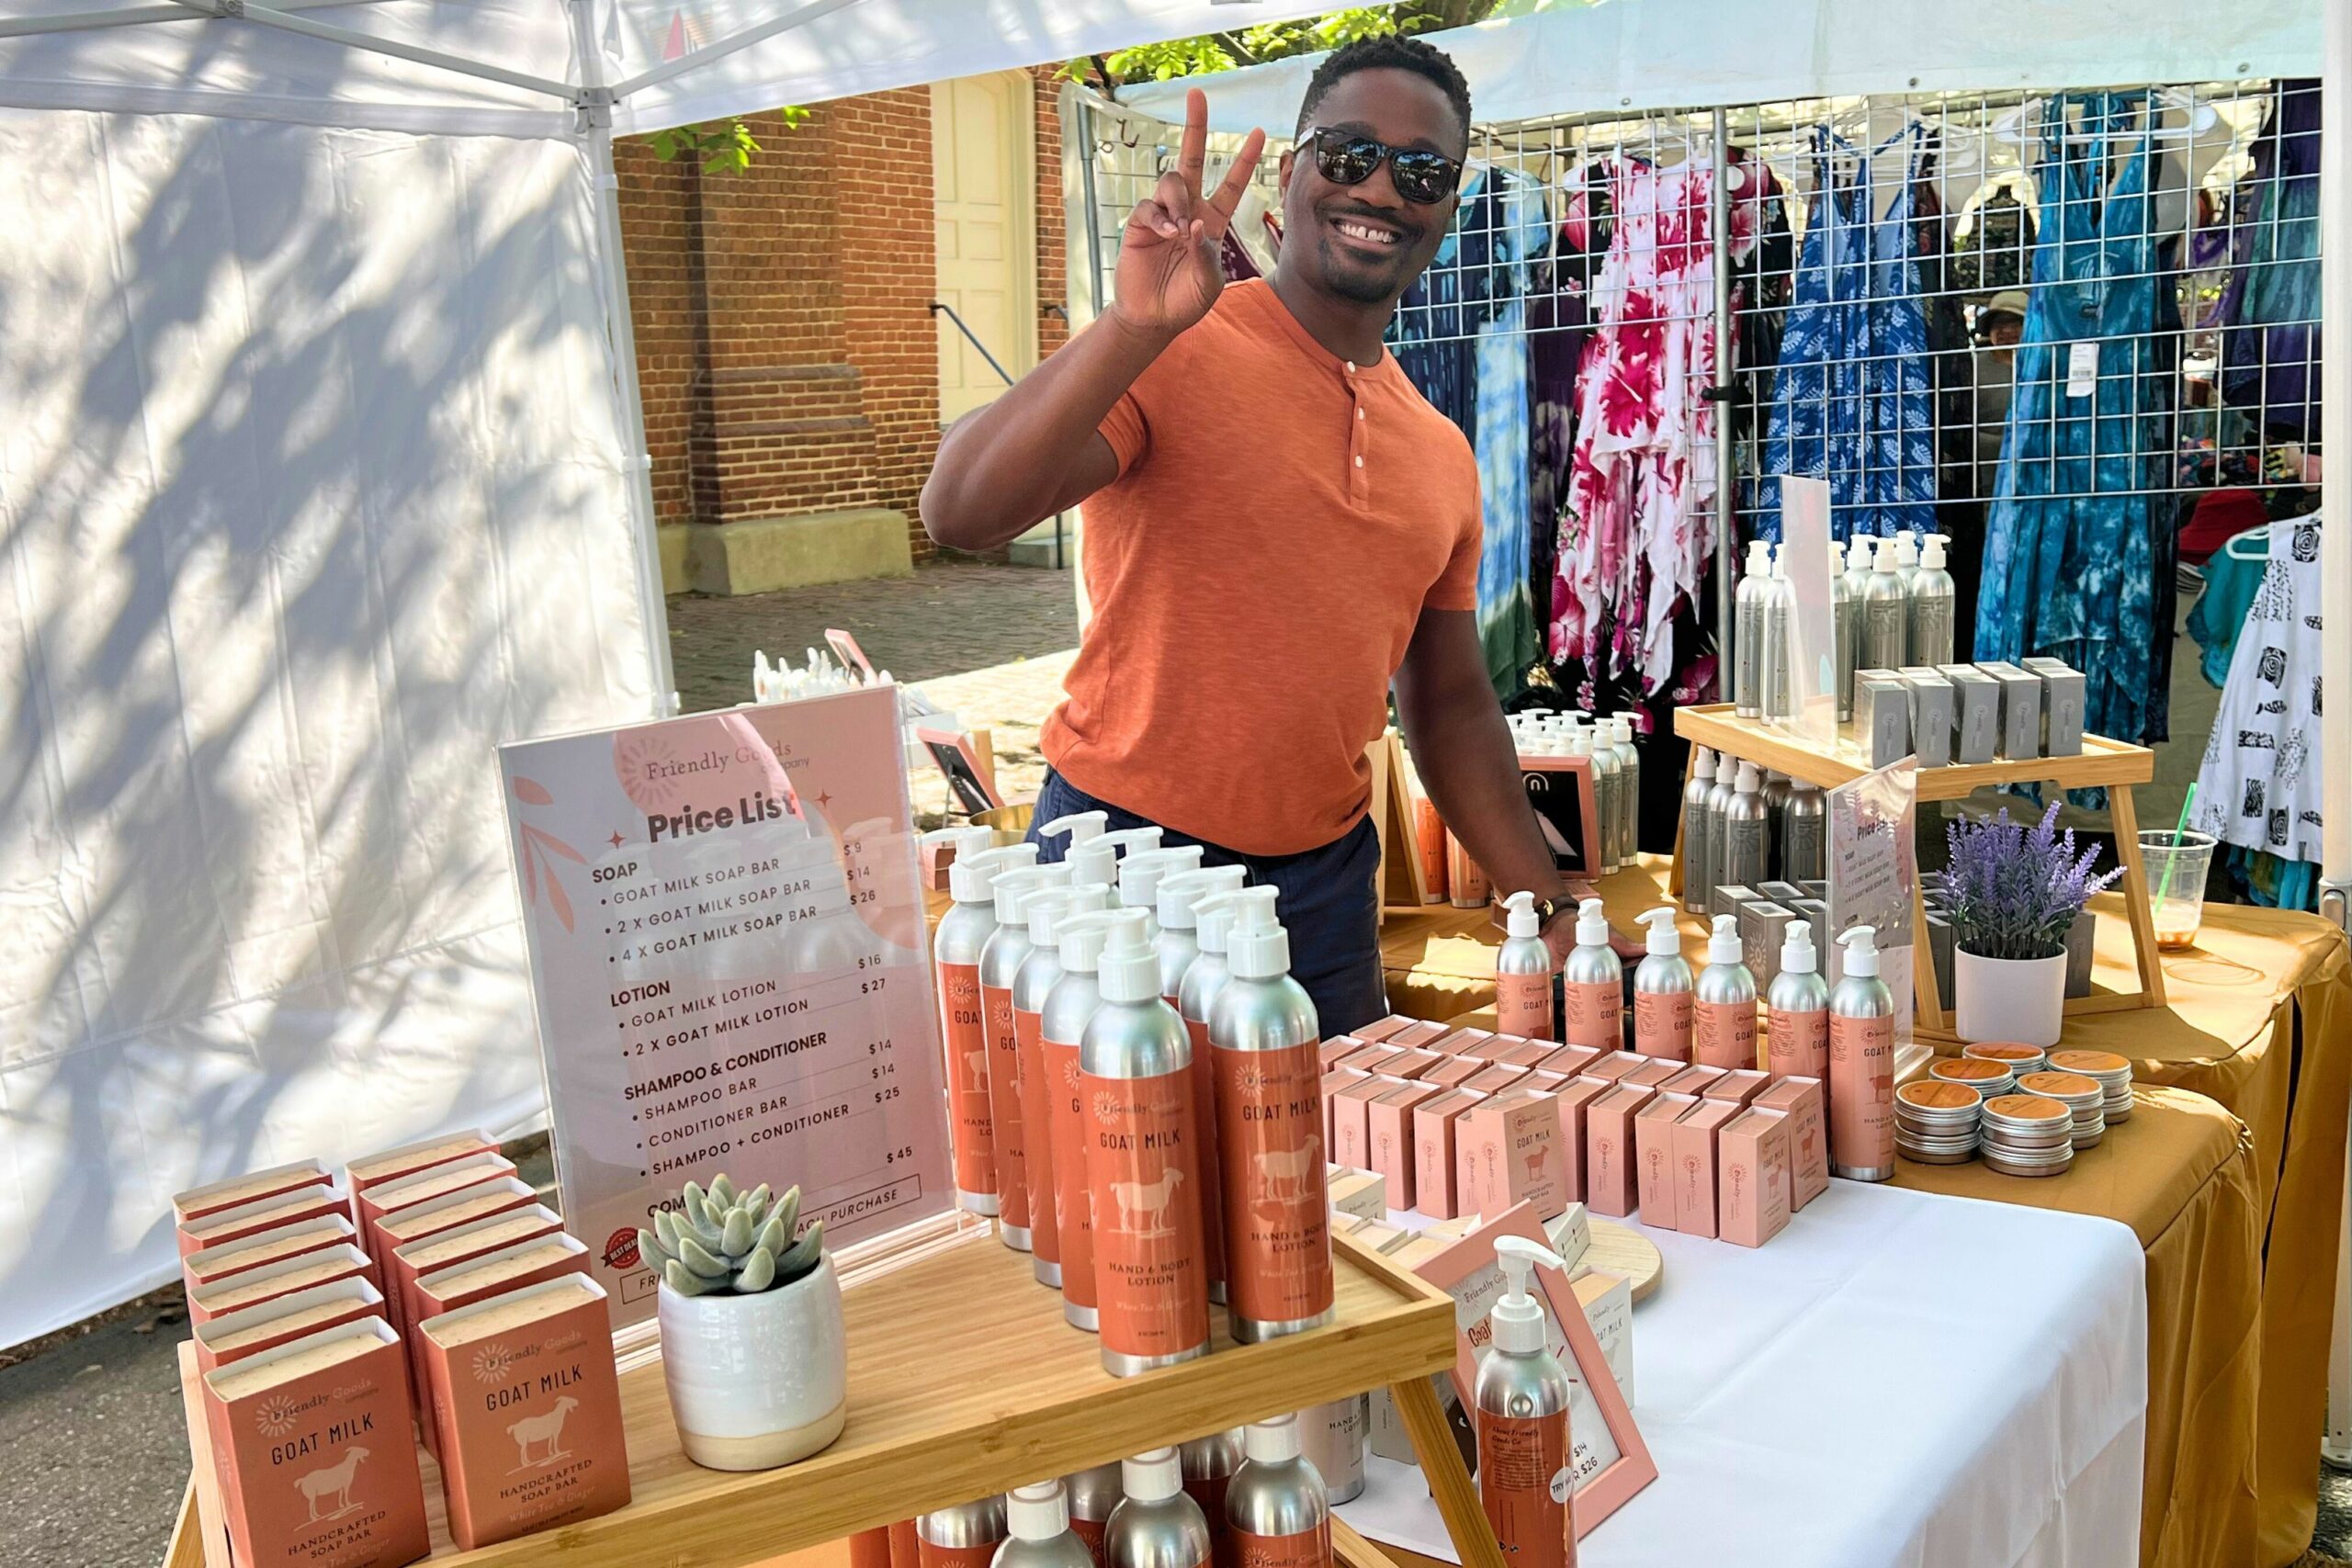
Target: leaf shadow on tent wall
310, 495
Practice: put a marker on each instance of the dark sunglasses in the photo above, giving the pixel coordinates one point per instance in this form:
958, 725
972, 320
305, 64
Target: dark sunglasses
1422, 177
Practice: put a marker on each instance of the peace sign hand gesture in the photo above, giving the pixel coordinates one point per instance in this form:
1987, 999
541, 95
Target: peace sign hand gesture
1168, 273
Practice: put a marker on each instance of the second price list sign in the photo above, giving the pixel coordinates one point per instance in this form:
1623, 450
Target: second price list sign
725, 939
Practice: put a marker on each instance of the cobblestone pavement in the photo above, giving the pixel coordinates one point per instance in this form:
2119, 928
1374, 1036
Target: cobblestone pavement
949, 618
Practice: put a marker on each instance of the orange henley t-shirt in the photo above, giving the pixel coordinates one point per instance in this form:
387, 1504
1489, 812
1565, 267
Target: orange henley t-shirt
1280, 520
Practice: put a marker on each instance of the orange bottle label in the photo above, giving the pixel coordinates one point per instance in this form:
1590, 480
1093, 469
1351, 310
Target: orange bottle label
1861, 1092
1799, 1044
1307, 1549
1593, 1013
929, 1556
966, 1032
1090, 1532
1524, 1483
1277, 1224
1723, 1035
1213, 1248
1074, 1210
1006, 1122
1524, 1006
1662, 1024
1142, 1149
1036, 1137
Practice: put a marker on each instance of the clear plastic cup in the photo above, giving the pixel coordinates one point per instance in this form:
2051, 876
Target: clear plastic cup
2176, 865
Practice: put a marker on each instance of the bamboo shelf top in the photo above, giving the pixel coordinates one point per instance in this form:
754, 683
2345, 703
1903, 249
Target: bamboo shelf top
964, 1380
1715, 726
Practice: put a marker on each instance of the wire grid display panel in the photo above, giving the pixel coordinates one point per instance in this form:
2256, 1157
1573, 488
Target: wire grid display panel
2195, 280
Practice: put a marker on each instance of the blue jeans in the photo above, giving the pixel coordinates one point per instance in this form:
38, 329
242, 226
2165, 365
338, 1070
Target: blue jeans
1330, 904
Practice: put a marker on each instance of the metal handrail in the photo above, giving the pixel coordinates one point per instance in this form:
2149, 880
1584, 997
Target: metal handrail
940, 306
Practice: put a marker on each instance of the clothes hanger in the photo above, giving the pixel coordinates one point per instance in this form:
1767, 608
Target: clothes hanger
2202, 119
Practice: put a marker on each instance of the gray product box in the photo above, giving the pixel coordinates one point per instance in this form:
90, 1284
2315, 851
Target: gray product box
1781, 893
1930, 715
1941, 939
2021, 736
2062, 706
1762, 928
2079, 938
1814, 887
1882, 708
1729, 897
1976, 711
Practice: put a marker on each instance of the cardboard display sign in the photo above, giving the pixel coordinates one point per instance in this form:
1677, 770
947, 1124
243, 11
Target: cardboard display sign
727, 953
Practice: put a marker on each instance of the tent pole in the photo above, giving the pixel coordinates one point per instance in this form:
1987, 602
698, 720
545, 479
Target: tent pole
596, 113
798, 17
284, 21
130, 15
1726, 450
2335, 580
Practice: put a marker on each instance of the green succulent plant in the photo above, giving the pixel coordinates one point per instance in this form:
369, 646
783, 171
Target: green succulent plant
722, 1240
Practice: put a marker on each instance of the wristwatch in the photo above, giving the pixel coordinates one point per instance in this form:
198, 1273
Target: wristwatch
1546, 909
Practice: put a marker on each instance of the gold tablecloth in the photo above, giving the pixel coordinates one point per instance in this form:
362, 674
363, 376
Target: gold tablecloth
2260, 1021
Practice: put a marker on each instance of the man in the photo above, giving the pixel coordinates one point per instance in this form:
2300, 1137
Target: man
1277, 524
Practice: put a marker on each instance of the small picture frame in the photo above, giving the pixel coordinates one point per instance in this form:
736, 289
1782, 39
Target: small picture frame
1611, 1460
1560, 793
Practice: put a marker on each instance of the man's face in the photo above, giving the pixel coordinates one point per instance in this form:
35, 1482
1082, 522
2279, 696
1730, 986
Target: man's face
1364, 242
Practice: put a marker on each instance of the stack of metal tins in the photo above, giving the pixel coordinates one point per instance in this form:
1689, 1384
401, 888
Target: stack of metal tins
2112, 1073
1987, 1079
2083, 1096
2019, 1059
2028, 1135
1936, 1123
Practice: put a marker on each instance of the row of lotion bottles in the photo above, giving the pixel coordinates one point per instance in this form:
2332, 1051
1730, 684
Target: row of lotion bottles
1891, 604
1743, 827
1267, 1510
1845, 1036
1135, 1089
1616, 773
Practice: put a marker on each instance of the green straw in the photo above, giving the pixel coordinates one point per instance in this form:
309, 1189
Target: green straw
2179, 835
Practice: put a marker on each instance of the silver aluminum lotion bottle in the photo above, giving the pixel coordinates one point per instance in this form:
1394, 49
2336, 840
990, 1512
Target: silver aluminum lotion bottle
1747, 631
963, 932
1523, 972
1608, 796
1525, 1483
1208, 1464
1592, 985
1141, 1134
1932, 591
1031, 983
1092, 1495
1805, 833
1156, 1526
1205, 976
1037, 1519
1263, 1039
1861, 1065
1723, 1026
1277, 1506
965, 1536
1798, 1004
1662, 991
1180, 920
1748, 831
1335, 1435
1718, 821
1061, 1025
1697, 881
1886, 613
1776, 800
1000, 960
1846, 636
1778, 694
1629, 788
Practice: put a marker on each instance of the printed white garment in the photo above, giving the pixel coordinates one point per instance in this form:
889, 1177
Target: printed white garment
2259, 784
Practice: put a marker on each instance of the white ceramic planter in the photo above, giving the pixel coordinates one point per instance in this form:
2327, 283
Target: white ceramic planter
2020, 1000
757, 1382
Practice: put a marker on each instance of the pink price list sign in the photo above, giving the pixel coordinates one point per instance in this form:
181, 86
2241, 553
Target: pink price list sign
725, 927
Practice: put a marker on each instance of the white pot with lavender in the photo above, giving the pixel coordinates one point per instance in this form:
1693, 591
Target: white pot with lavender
2012, 893
753, 1347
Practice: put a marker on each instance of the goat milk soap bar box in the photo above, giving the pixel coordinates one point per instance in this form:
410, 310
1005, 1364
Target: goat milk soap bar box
527, 1409
315, 1456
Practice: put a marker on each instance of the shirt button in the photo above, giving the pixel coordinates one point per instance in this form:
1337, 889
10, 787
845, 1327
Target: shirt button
1351, 366
1358, 459
1359, 413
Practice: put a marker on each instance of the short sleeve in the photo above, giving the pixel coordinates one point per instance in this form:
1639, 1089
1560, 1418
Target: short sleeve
1125, 429
1456, 586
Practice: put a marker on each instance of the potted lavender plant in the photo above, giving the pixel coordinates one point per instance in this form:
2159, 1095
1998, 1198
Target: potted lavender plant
2012, 892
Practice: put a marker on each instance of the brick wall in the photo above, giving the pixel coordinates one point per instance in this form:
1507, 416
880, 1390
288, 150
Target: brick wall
788, 362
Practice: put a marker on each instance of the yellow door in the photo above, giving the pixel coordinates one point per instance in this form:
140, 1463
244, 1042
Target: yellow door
983, 168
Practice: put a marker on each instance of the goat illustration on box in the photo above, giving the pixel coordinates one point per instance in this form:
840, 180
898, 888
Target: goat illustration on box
534, 1429
334, 1482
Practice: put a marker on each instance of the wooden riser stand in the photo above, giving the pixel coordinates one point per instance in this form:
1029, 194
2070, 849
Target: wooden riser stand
964, 1381
2104, 763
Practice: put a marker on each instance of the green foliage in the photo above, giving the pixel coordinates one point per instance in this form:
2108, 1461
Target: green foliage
1279, 40
720, 147
724, 1240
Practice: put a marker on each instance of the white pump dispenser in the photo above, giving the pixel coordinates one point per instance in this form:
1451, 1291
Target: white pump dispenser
1256, 946
1663, 940
1663, 991
1518, 1316
1722, 943
1080, 826
1523, 970
1128, 969
1521, 1419
1592, 985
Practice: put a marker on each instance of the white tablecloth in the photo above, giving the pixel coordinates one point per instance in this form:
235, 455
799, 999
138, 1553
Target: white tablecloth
1898, 1379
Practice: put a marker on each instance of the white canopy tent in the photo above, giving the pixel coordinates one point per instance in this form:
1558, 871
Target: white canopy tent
323, 474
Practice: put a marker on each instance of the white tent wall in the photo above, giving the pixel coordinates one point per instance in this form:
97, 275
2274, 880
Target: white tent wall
311, 491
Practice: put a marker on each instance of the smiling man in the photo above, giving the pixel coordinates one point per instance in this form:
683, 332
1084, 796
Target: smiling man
1278, 525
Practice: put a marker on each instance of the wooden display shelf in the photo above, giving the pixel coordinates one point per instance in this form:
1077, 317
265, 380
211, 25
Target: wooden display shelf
964, 1380
2111, 765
